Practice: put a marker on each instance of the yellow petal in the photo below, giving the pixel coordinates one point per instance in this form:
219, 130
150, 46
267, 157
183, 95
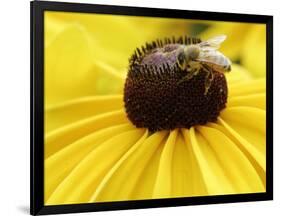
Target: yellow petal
60, 164
64, 136
237, 168
117, 184
254, 50
74, 70
249, 123
111, 184
197, 185
247, 87
252, 100
182, 184
109, 79
213, 173
67, 66
84, 179
78, 109
149, 169
163, 184
53, 27
254, 156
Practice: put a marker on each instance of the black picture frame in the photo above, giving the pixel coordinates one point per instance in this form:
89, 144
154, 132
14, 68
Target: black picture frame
37, 107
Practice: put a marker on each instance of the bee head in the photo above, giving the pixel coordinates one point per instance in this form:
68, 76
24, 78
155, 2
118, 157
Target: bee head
181, 60
191, 52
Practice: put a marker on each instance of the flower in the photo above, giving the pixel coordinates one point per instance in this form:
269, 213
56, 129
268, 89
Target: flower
93, 153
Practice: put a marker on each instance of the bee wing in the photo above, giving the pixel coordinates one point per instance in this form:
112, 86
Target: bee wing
212, 43
211, 56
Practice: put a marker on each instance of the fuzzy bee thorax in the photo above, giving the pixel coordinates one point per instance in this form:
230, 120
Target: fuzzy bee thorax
191, 52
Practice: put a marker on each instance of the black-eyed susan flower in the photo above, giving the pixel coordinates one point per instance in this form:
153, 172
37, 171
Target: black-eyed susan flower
149, 137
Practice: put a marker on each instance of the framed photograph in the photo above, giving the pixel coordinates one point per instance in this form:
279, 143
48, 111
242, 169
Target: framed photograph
139, 107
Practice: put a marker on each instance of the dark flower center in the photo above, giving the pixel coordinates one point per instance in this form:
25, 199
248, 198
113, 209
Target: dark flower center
155, 99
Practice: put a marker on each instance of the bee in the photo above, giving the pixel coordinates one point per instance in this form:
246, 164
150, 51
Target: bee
204, 56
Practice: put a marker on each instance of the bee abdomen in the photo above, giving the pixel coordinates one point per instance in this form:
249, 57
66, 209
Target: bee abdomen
220, 60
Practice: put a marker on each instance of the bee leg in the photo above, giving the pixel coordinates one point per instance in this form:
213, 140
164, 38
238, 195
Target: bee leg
193, 68
197, 70
208, 82
209, 78
187, 77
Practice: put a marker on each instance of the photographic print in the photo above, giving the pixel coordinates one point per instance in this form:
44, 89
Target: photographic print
142, 108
